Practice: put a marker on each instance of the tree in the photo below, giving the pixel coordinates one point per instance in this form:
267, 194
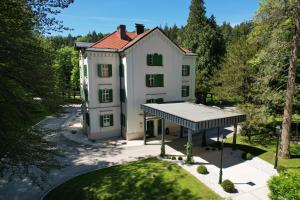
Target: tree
26, 87
90, 37
287, 116
234, 79
203, 36
66, 63
276, 33
43, 12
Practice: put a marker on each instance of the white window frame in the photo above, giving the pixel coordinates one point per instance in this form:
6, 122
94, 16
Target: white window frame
104, 71
105, 95
151, 80
106, 120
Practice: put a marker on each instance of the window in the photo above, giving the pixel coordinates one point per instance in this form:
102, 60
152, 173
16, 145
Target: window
185, 70
105, 96
106, 120
84, 70
123, 120
185, 91
155, 80
122, 95
104, 70
154, 59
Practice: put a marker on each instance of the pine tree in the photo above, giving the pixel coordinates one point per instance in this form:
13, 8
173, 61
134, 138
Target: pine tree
203, 36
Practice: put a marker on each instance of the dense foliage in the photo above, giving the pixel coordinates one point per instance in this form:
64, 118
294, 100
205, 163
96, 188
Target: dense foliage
228, 186
26, 90
285, 186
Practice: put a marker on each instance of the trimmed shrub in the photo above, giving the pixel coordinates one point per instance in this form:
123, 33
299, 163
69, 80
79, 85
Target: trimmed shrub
207, 148
247, 156
285, 186
202, 169
180, 158
228, 186
173, 158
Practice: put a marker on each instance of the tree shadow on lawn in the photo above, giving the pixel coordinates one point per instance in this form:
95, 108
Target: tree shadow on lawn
139, 181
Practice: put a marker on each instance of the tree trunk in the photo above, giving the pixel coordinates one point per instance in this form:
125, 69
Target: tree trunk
287, 115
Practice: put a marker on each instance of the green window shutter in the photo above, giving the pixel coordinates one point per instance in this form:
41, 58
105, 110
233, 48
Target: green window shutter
101, 121
100, 96
84, 70
147, 80
122, 95
110, 70
111, 95
182, 91
159, 80
187, 91
121, 70
111, 120
149, 59
155, 59
160, 60
99, 67
188, 70
148, 101
86, 96
87, 119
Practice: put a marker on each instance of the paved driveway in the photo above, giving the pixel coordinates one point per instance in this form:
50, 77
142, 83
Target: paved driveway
80, 158
86, 156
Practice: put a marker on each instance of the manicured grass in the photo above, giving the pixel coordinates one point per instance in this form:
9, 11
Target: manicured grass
139, 180
267, 152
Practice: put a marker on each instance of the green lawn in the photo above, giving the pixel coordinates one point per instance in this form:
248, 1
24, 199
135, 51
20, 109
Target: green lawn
267, 152
139, 180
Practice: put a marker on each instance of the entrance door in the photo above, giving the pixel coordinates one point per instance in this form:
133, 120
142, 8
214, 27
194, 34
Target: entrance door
150, 128
159, 126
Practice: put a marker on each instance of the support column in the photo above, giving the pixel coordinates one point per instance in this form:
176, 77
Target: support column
162, 149
218, 139
234, 137
204, 144
145, 128
189, 147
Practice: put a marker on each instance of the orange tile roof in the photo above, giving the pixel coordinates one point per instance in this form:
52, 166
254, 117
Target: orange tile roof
113, 41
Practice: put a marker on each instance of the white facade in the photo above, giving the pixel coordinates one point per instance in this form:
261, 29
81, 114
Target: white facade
134, 60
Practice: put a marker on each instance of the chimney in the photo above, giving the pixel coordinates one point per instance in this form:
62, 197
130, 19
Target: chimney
139, 28
122, 31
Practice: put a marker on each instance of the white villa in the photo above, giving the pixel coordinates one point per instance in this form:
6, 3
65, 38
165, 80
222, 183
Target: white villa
124, 70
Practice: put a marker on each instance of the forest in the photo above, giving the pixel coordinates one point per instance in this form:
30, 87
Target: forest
249, 65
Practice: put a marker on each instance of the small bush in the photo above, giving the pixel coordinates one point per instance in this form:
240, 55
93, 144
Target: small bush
228, 186
173, 158
202, 169
247, 156
281, 169
180, 158
213, 149
207, 148
285, 186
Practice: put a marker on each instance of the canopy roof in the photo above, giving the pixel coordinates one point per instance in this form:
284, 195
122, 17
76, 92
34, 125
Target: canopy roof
194, 116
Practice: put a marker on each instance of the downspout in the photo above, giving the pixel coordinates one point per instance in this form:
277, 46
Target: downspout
120, 79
